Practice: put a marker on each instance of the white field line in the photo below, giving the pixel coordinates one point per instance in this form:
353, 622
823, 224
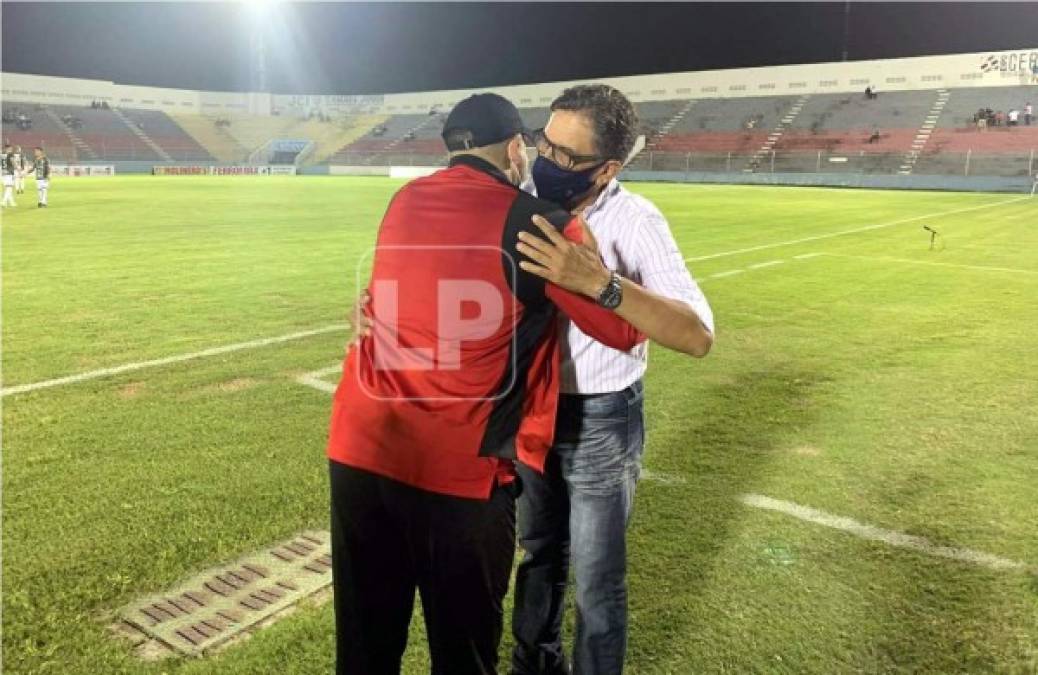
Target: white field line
722, 275
855, 230
981, 268
167, 360
758, 266
314, 378
891, 537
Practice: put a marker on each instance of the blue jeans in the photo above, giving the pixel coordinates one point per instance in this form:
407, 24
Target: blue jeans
576, 513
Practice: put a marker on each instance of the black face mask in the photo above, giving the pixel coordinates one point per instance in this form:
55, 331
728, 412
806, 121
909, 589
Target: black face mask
562, 186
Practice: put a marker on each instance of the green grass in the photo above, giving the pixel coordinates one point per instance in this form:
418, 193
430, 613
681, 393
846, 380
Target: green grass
903, 395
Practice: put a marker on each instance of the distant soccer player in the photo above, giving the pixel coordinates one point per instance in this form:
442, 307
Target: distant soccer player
19, 170
42, 167
8, 169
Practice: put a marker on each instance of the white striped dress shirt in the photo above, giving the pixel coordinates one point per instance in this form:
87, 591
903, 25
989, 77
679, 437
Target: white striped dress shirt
635, 241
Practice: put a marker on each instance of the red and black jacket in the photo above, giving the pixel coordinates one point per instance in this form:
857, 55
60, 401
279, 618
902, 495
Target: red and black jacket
454, 429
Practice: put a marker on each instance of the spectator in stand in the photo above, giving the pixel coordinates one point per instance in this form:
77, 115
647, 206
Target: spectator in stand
1028, 114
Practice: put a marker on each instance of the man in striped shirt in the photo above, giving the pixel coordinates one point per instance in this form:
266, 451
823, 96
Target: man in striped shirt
576, 512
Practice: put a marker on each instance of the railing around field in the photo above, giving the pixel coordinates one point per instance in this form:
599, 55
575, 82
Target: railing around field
959, 164
968, 163
391, 158
943, 163
120, 149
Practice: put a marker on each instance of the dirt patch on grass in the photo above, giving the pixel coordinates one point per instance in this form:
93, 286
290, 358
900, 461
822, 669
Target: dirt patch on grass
131, 390
237, 384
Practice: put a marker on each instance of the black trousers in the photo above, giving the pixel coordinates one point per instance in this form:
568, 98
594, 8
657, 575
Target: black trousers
389, 539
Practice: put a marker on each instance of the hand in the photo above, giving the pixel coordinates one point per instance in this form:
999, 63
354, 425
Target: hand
362, 322
574, 267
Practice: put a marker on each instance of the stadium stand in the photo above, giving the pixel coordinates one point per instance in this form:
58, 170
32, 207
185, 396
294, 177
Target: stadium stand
218, 143
844, 132
44, 131
402, 139
329, 137
105, 134
930, 131
164, 132
242, 137
254, 131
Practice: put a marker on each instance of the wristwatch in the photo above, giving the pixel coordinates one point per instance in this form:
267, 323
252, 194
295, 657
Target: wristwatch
613, 293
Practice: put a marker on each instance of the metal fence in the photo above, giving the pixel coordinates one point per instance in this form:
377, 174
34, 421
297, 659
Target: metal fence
946, 163
391, 158
959, 164
967, 163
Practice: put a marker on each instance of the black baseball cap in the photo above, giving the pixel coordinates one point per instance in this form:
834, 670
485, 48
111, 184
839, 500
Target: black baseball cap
482, 119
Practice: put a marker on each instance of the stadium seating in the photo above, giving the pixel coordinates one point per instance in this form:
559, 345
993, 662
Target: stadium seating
168, 135
400, 136
244, 136
45, 132
218, 143
106, 135
842, 132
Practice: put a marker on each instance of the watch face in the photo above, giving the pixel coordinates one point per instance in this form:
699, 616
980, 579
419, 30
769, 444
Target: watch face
612, 295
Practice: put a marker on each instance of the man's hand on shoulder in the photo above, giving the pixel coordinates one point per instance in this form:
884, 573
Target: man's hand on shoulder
574, 266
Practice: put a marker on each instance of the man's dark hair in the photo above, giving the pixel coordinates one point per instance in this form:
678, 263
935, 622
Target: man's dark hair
611, 114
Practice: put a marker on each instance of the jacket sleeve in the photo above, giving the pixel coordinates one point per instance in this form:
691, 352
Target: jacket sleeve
601, 324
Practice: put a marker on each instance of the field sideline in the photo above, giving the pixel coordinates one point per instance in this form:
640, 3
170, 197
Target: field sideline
868, 410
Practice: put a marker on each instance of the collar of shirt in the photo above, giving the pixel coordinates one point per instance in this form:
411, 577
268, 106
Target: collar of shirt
479, 164
611, 189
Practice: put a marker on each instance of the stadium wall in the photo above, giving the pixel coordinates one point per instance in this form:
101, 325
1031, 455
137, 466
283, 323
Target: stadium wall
984, 69
1005, 68
23, 88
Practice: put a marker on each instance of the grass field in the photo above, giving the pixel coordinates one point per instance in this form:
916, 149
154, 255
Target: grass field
876, 380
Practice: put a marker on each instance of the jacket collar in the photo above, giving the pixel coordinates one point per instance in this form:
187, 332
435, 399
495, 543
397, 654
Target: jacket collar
479, 164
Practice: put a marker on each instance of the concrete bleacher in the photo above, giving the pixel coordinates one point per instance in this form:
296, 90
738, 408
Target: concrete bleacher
44, 133
654, 114
964, 103
107, 136
218, 143
397, 135
168, 135
830, 134
535, 118
411, 139
734, 114
739, 126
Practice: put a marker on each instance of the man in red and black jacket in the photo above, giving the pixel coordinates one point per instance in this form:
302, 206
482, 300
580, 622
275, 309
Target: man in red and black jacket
457, 380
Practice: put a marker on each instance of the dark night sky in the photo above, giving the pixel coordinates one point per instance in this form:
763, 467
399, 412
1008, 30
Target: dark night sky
382, 48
